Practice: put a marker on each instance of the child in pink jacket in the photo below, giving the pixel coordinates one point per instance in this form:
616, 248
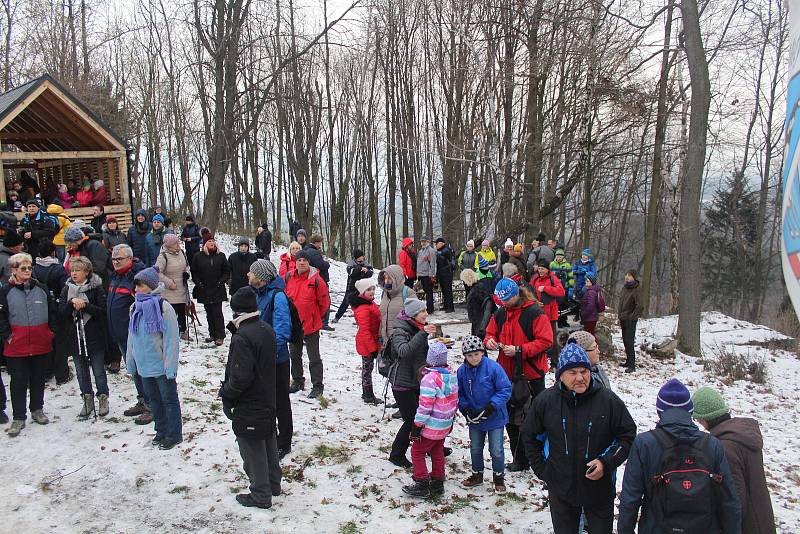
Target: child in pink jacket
438, 402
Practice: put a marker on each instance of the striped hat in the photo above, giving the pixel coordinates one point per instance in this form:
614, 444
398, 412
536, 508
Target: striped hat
674, 394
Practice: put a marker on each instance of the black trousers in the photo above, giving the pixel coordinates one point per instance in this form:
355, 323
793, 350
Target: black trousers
216, 322
344, 305
629, 340
27, 374
566, 516
262, 465
427, 285
283, 405
407, 401
517, 447
180, 311
410, 282
58, 358
3, 398
554, 349
311, 341
446, 284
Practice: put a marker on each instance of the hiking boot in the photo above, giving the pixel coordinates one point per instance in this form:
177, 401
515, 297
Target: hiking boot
3, 417
246, 499
401, 462
88, 406
475, 479
448, 451
373, 400
113, 368
420, 488
436, 487
185, 336
329, 328
499, 482
157, 440
102, 405
16, 427
66, 380
137, 409
514, 467
144, 419
209, 340
300, 385
316, 392
283, 451
167, 444
397, 415
219, 342
39, 417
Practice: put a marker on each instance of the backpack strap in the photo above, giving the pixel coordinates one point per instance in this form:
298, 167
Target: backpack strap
500, 316
405, 292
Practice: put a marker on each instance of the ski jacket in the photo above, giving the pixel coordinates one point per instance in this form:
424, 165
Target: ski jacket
368, 320
406, 259
152, 355
309, 293
287, 264
483, 385
41, 226
210, 272
553, 290
563, 270
27, 319
580, 271
99, 197
468, 260
274, 307
64, 222
488, 255
240, 264
535, 363
438, 402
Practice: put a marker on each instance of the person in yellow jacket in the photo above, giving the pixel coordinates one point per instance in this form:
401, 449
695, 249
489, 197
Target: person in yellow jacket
64, 222
488, 254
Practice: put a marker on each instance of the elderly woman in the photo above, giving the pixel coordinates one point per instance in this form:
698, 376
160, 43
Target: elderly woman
82, 307
27, 314
288, 258
173, 267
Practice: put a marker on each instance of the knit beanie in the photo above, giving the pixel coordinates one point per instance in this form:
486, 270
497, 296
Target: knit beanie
243, 241
34, 201
674, 394
74, 234
582, 338
413, 306
471, 243
483, 263
424, 238
592, 278
571, 357
560, 252
541, 238
437, 354
586, 252
148, 277
485, 243
364, 284
264, 270
158, 217
506, 289
170, 240
708, 404
357, 253
244, 300
98, 184
110, 219
301, 232
543, 263
11, 239
518, 247
302, 255
472, 344
508, 243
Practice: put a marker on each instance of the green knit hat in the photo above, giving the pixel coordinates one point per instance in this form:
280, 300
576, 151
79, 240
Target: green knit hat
708, 404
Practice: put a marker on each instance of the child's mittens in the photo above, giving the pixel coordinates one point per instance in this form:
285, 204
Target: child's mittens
416, 433
487, 412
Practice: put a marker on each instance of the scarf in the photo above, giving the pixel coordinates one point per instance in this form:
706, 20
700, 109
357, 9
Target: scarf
47, 262
243, 317
631, 285
147, 308
76, 291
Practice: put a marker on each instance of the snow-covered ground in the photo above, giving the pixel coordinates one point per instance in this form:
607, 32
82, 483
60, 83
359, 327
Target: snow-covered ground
101, 476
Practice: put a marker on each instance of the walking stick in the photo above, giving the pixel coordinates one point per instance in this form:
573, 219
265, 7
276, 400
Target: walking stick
83, 350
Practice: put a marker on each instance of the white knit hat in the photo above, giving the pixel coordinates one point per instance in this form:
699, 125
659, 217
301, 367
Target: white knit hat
364, 284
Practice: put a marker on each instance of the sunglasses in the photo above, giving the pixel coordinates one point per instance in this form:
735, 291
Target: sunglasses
25, 268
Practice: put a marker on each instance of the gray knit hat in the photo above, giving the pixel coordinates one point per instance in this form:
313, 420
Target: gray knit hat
264, 270
413, 306
584, 339
73, 234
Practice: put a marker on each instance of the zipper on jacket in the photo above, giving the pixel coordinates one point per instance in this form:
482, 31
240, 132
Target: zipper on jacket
564, 428
588, 437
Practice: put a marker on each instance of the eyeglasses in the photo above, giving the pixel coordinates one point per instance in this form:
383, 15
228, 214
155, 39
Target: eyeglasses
592, 349
25, 268
119, 259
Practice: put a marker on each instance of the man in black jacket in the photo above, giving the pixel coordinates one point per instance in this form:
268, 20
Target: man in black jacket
248, 398
36, 225
316, 259
79, 243
190, 235
445, 265
357, 269
240, 262
590, 432
264, 241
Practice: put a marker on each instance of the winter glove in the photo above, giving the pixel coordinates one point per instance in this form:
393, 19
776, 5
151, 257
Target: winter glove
227, 409
415, 434
487, 412
477, 417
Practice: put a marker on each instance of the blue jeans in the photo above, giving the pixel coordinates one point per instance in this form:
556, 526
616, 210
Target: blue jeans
141, 394
97, 361
165, 406
476, 441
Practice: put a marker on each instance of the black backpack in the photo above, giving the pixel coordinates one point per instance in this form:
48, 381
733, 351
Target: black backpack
386, 360
297, 325
685, 486
520, 389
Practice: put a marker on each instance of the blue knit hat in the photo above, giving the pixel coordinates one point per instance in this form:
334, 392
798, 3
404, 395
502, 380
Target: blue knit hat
506, 289
674, 394
158, 217
74, 234
148, 277
572, 356
437, 354
586, 252
483, 263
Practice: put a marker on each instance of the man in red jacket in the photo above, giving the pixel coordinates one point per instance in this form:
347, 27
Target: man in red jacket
407, 258
522, 333
548, 290
309, 293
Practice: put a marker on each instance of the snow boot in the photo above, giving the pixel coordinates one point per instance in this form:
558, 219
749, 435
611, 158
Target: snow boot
38, 416
420, 488
475, 479
316, 392
299, 385
368, 396
137, 409
102, 401
246, 499
145, 418
499, 482
3, 417
436, 487
88, 406
15, 428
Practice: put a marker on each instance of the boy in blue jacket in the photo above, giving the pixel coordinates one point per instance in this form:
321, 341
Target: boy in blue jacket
483, 393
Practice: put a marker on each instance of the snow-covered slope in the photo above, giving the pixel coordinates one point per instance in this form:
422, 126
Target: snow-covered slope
101, 476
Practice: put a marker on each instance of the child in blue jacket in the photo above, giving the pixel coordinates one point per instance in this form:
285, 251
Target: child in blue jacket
483, 393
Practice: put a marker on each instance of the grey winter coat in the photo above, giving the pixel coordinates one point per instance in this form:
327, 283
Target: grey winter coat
542, 252
426, 262
410, 345
391, 300
599, 374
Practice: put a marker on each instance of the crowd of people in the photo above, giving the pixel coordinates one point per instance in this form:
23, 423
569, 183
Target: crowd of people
114, 295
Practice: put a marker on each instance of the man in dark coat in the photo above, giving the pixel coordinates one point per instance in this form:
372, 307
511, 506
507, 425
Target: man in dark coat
445, 266
264, 241
36, 226
316, 259
674, 408
248, 398
210, 272
741, 438
357, 269
190, 235
590, 432
77, 243
630, 310
240, 262
294, 227
137, 237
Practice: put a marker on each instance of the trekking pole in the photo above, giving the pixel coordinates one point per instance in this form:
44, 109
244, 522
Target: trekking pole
83, 350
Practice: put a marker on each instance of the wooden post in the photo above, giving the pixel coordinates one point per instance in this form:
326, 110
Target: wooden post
2, 178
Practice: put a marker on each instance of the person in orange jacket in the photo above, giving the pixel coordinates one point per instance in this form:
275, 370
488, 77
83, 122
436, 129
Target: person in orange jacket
368, 319
548, 290
407, 258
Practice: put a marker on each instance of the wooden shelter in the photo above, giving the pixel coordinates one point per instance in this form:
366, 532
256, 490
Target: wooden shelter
46, 130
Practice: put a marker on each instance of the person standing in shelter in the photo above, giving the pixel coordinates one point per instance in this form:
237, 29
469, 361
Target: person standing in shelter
368, 319
210, 272
249, 400
548, 290
407, 258
445, 266
99, 195
85, 195
309, 293
357, 269
426, 270
36, 226
741, 438
173, 271
190, 235
240, 262
273, 304
630, 310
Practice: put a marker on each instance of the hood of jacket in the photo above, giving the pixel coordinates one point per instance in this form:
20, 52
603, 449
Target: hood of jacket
277, 283
55, 209
395, 274
406, 242
678, 423
94, 281
742, 430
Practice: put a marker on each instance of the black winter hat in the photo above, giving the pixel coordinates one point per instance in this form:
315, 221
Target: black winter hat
11, 239
543, 263
541, 237
34, 201
244, 300
357, 253
302, 255
440, 240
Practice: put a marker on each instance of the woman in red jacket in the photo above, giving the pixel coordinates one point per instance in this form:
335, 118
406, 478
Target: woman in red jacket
548, 290
368, 319
288, 259
407, 258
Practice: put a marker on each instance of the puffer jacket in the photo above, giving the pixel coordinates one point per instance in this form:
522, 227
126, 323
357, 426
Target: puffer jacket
468, 260
643, 464
438, 402
154, 241
406, 259
64, 222
152, 355
534, 358
287, 264
27, 319
210, 272
489, 255
309, 293
274, 306
137, 238
119, 300
173, 268
580, 270
392, 300
368, 318
445, 261
113, 238
589, 303
553, 290
481, 306
240, 263
483, 385
410, 346
95, 329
